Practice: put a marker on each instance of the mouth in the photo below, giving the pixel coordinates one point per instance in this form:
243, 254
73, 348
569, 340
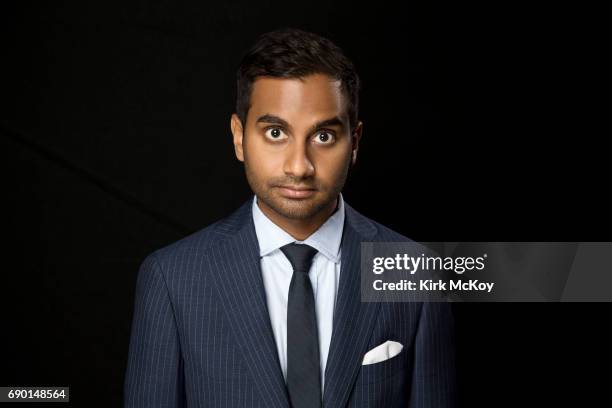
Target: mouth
296, 192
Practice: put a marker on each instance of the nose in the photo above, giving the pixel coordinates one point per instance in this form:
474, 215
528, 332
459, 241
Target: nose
297, 162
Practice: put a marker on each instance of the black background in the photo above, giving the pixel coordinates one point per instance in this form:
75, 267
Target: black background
115, 132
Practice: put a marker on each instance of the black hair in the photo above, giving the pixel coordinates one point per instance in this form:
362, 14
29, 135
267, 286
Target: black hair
294, 53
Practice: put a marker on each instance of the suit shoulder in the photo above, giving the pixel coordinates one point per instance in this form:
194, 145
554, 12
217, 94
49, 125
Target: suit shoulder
387, 234
193, 247
379, 231
186, 249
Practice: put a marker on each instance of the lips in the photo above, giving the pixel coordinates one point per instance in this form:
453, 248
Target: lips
296, 188
296, 192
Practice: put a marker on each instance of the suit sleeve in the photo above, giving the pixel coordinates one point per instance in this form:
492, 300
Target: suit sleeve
434, 370
154, 374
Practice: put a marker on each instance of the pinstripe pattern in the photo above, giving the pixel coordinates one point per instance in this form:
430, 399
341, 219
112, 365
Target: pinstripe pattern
201, 333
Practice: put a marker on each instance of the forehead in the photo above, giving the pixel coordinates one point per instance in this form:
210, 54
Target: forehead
294, 98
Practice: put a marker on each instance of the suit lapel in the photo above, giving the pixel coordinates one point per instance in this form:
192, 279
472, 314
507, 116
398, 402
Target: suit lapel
353, 320
237, 276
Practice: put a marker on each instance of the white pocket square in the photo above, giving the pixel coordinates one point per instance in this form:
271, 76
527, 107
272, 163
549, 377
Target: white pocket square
382, 352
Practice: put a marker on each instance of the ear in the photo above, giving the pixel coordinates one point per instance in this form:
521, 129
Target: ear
237, 132
355, 138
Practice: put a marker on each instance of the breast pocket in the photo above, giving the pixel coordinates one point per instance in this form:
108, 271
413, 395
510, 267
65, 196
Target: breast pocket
384, 370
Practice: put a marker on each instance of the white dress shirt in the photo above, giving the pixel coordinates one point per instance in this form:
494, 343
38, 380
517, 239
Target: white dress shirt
324, 276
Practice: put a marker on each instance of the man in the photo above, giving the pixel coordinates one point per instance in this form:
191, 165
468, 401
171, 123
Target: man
262, 308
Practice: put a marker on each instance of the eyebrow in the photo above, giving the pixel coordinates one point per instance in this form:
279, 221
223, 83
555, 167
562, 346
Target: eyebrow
267, 118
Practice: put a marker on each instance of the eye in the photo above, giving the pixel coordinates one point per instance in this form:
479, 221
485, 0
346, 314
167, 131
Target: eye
275, 133
325, 138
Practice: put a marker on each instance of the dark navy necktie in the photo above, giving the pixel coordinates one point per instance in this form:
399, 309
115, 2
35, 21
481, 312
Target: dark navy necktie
303, 367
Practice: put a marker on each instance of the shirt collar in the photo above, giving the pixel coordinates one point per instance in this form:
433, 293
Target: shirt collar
326, 239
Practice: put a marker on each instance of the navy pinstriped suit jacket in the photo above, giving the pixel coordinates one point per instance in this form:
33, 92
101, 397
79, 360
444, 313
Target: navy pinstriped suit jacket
201, 333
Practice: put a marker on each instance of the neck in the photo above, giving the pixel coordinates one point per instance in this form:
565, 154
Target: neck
299, 229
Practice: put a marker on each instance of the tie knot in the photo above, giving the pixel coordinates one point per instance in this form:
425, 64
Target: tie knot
300, 256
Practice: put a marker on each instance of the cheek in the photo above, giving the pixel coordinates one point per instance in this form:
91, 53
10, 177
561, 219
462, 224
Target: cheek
331, 165
262, 160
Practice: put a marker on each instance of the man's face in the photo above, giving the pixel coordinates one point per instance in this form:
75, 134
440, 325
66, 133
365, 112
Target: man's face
297, 136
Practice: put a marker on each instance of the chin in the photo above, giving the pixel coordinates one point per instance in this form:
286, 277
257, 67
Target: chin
296, 209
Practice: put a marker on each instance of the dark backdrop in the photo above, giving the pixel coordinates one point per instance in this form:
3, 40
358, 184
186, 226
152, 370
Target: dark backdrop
115, 130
